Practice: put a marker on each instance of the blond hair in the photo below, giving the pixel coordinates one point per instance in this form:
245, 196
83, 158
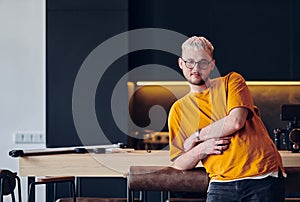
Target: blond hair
198, 43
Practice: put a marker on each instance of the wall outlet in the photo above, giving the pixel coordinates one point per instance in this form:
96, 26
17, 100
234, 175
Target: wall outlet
29, 138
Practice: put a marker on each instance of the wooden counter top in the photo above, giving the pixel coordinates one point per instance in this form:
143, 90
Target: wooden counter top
107, 165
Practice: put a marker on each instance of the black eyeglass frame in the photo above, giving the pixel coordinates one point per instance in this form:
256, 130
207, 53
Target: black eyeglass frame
198, 64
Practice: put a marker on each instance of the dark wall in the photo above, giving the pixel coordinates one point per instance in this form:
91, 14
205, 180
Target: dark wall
256, 38
75, 28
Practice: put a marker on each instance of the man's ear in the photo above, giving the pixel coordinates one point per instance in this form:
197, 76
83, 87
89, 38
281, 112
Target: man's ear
180, 63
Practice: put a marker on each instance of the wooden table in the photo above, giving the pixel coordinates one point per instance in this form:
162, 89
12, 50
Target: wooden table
90, 164
107, 165
117, 165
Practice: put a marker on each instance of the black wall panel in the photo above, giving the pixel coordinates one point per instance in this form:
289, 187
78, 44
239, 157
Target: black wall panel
250, 37
295, 41
87, 5
74, 29
255, 38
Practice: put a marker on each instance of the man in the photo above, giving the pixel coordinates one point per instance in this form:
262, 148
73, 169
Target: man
216, 123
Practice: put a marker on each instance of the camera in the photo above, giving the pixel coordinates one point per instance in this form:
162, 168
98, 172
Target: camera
289, 137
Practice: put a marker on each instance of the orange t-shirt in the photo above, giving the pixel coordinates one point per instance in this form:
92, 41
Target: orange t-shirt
251, 152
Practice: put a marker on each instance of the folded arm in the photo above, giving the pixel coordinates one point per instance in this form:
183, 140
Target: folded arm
213, 139
189, 159
224, 127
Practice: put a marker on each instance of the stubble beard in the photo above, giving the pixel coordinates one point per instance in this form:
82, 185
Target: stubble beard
198, 83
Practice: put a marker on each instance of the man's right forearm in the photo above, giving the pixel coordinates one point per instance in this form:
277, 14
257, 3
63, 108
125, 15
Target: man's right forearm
189, 159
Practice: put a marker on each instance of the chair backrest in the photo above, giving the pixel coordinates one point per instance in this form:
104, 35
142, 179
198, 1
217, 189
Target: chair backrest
158, 178
8, 181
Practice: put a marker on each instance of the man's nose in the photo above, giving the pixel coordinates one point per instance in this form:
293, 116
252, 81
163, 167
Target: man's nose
197, 66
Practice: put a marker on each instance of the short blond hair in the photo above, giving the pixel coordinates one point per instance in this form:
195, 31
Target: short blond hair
198, 43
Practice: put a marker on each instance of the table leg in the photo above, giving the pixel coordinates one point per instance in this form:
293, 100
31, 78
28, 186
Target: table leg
30, 179
78, 186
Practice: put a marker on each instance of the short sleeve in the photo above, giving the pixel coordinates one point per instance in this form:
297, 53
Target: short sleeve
238, 94
175, 139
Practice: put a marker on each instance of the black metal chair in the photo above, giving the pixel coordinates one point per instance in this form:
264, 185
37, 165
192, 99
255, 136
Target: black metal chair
93, 199
73, 198
54, 181
8, 181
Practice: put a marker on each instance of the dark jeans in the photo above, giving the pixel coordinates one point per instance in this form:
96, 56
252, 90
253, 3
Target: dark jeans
188, 195
270, 189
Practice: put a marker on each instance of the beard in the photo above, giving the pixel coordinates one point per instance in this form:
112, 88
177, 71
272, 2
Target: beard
198, 82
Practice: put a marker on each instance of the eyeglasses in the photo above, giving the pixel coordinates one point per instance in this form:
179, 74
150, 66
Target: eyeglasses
202, 64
